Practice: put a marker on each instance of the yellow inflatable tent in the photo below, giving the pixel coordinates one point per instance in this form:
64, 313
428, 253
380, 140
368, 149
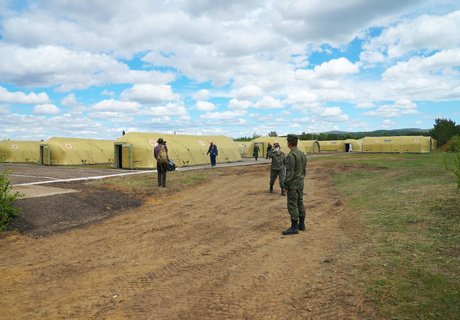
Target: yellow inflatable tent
353, 145
74, 151
402, 144
332, 145
20, 151
308, 146
134, 150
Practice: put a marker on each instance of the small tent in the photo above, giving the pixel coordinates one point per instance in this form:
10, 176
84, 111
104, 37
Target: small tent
401, 144
308, 146
74, 151
134, 150
332, 145
20, 151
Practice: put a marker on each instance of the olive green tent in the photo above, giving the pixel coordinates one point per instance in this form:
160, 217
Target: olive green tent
308, 146
402, 144
332, 145
75, 151
19, 151
134, 150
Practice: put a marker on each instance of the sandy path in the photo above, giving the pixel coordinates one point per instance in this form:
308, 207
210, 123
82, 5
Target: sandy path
214, 251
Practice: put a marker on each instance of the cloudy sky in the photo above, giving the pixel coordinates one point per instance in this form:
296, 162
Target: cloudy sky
92, 68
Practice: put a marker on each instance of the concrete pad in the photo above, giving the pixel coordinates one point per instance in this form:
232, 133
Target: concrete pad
36, 191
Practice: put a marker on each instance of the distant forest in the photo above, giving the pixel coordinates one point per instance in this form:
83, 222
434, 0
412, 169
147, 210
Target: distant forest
342, 135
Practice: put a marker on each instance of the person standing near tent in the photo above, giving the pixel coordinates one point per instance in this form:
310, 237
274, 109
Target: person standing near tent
255, 152
160, 153
269, 148
296, 168
213, 153
277, 167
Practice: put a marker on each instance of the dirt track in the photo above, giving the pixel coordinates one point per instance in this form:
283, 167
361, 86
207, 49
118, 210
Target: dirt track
214, 251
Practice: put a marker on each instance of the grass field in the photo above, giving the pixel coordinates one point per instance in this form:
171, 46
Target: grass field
411, 211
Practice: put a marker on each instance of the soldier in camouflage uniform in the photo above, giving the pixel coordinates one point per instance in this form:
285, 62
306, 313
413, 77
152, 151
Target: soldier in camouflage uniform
277, 167
296, 168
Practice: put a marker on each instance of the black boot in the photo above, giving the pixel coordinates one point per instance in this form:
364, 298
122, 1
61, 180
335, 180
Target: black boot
283, 193
271, 188
302, 223
293, 229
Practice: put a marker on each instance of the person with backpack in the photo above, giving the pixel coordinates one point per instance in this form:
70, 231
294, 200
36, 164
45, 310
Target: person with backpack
212, 151
160, 153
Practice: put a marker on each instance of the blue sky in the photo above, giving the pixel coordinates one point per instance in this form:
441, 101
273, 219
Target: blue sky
237, 68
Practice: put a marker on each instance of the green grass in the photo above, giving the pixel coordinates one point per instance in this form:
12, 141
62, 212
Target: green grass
146, 184
410, 207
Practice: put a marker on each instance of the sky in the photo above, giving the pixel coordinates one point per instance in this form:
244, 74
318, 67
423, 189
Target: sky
95, 68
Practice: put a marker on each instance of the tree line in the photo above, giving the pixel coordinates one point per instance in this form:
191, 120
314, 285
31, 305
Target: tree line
443, 130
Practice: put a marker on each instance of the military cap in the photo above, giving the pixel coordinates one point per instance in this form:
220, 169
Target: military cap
292, 138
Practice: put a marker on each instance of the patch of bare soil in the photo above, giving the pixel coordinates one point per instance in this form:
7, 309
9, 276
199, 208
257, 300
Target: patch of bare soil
46, 215
213, 251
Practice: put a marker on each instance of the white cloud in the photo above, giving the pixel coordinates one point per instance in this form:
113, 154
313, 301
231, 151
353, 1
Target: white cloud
239, 104
426, 32
54, 65
22, 98
335, 67
149, 93
170, 109
116, 106
46, 109
386, 124
225, 115
249, 92
268, 102
70, 100
399, 108
205, 106
202, 95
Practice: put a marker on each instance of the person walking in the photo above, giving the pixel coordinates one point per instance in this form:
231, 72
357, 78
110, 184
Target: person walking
160, 153
296, 169
255, 152
213, 153
277, 167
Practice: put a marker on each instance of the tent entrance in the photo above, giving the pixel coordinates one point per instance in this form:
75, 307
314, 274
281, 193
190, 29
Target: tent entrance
123, 156
348, 147
45, 155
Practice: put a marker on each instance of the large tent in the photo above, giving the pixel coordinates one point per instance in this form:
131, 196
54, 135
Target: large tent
20, 151
135, 150
75, 151
308, 146
332, 145
402, 144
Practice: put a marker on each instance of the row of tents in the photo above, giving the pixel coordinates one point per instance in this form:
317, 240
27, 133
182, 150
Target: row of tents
134, 150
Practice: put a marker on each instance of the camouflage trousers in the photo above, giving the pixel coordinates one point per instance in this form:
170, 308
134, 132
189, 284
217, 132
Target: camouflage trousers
295, 203
275, 174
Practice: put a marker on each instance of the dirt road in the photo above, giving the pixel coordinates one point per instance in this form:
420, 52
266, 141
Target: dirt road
214, 251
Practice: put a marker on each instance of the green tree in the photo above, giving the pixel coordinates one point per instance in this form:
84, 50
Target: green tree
272, 134
443, 130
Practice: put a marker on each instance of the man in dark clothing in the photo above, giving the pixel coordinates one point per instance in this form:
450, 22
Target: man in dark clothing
269, 148
213, 153
296, 168
255, 151
160, 153
277, 167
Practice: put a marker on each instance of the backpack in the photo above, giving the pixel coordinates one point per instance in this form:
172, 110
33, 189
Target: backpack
162, 157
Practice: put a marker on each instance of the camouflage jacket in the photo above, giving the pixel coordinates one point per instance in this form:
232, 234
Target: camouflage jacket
278, 159
296, 168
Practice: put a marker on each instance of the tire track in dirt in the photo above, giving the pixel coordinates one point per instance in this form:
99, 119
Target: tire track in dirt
214, 251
